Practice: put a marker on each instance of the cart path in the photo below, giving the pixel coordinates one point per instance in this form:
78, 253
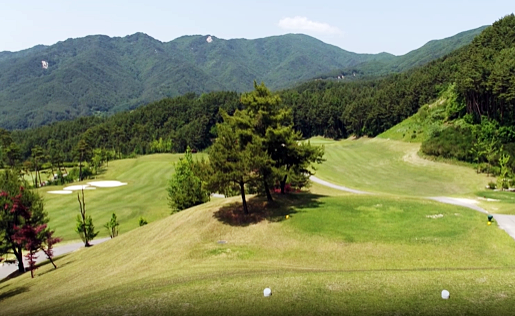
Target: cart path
6, 269
334, 186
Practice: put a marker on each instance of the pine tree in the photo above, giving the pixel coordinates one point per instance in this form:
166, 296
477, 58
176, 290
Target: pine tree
112, 226
236, 158
273, 125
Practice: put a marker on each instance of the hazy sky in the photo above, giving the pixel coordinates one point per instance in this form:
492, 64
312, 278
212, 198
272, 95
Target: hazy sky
362, 26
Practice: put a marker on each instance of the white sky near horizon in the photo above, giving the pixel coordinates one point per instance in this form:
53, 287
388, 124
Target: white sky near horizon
367, 26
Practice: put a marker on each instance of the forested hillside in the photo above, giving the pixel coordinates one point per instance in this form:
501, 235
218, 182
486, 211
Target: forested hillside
430, 51
481, 76
99, 75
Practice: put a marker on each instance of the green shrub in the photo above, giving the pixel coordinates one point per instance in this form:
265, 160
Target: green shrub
74, 174
142, 221
450, 142
185, 188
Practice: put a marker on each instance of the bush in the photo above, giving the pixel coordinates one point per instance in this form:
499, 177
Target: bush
451, 142
185, 189
142, 221
492, 185
74, 174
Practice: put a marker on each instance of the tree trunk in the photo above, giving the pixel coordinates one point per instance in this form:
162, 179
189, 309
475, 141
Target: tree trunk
40, 181
52, 168
80, 169
36, 170
243, 200
49, 258
52, 262
29, 172
283, 184
19, 257
267, 191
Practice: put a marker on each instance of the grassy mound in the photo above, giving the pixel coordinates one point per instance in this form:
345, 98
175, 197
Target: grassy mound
344, 254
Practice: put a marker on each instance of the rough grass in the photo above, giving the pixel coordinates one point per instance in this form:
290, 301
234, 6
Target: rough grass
411, 130
388, 166
353, 255
145, 195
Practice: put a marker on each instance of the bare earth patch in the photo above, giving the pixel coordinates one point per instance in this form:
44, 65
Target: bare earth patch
413, 158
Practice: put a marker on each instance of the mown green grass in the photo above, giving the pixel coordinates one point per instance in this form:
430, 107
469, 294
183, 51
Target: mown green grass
504, 201
145, 195
353, 255
394, 167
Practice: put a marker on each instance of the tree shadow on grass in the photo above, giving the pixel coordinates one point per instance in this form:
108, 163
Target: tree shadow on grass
260, 209
13, 292
13, 275
56, 261
17, 273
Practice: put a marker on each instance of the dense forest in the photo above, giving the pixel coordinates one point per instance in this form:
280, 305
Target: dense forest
482, 75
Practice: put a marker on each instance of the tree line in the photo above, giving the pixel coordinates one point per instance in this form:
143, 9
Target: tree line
480, 126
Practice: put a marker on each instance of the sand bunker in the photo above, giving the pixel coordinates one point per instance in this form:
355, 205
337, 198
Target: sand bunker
79, 187
107, 184
466, 201
60, 192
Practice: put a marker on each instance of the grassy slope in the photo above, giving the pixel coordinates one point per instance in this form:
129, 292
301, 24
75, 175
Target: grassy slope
389, 166
410, 130
415, 129
338, 252
334, 255
145, 195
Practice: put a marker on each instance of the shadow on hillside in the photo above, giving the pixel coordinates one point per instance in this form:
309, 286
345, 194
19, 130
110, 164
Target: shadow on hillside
13, 275
16, 273
13, 292
261, 210
57, 263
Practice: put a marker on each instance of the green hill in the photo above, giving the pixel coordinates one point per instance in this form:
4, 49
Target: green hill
99, 74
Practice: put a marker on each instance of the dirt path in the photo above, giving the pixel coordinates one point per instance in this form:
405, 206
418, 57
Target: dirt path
7, 269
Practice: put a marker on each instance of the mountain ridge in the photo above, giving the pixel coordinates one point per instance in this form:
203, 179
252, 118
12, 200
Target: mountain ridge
414, 58
100, 74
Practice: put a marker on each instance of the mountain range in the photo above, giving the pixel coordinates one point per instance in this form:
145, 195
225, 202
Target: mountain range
98, 75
